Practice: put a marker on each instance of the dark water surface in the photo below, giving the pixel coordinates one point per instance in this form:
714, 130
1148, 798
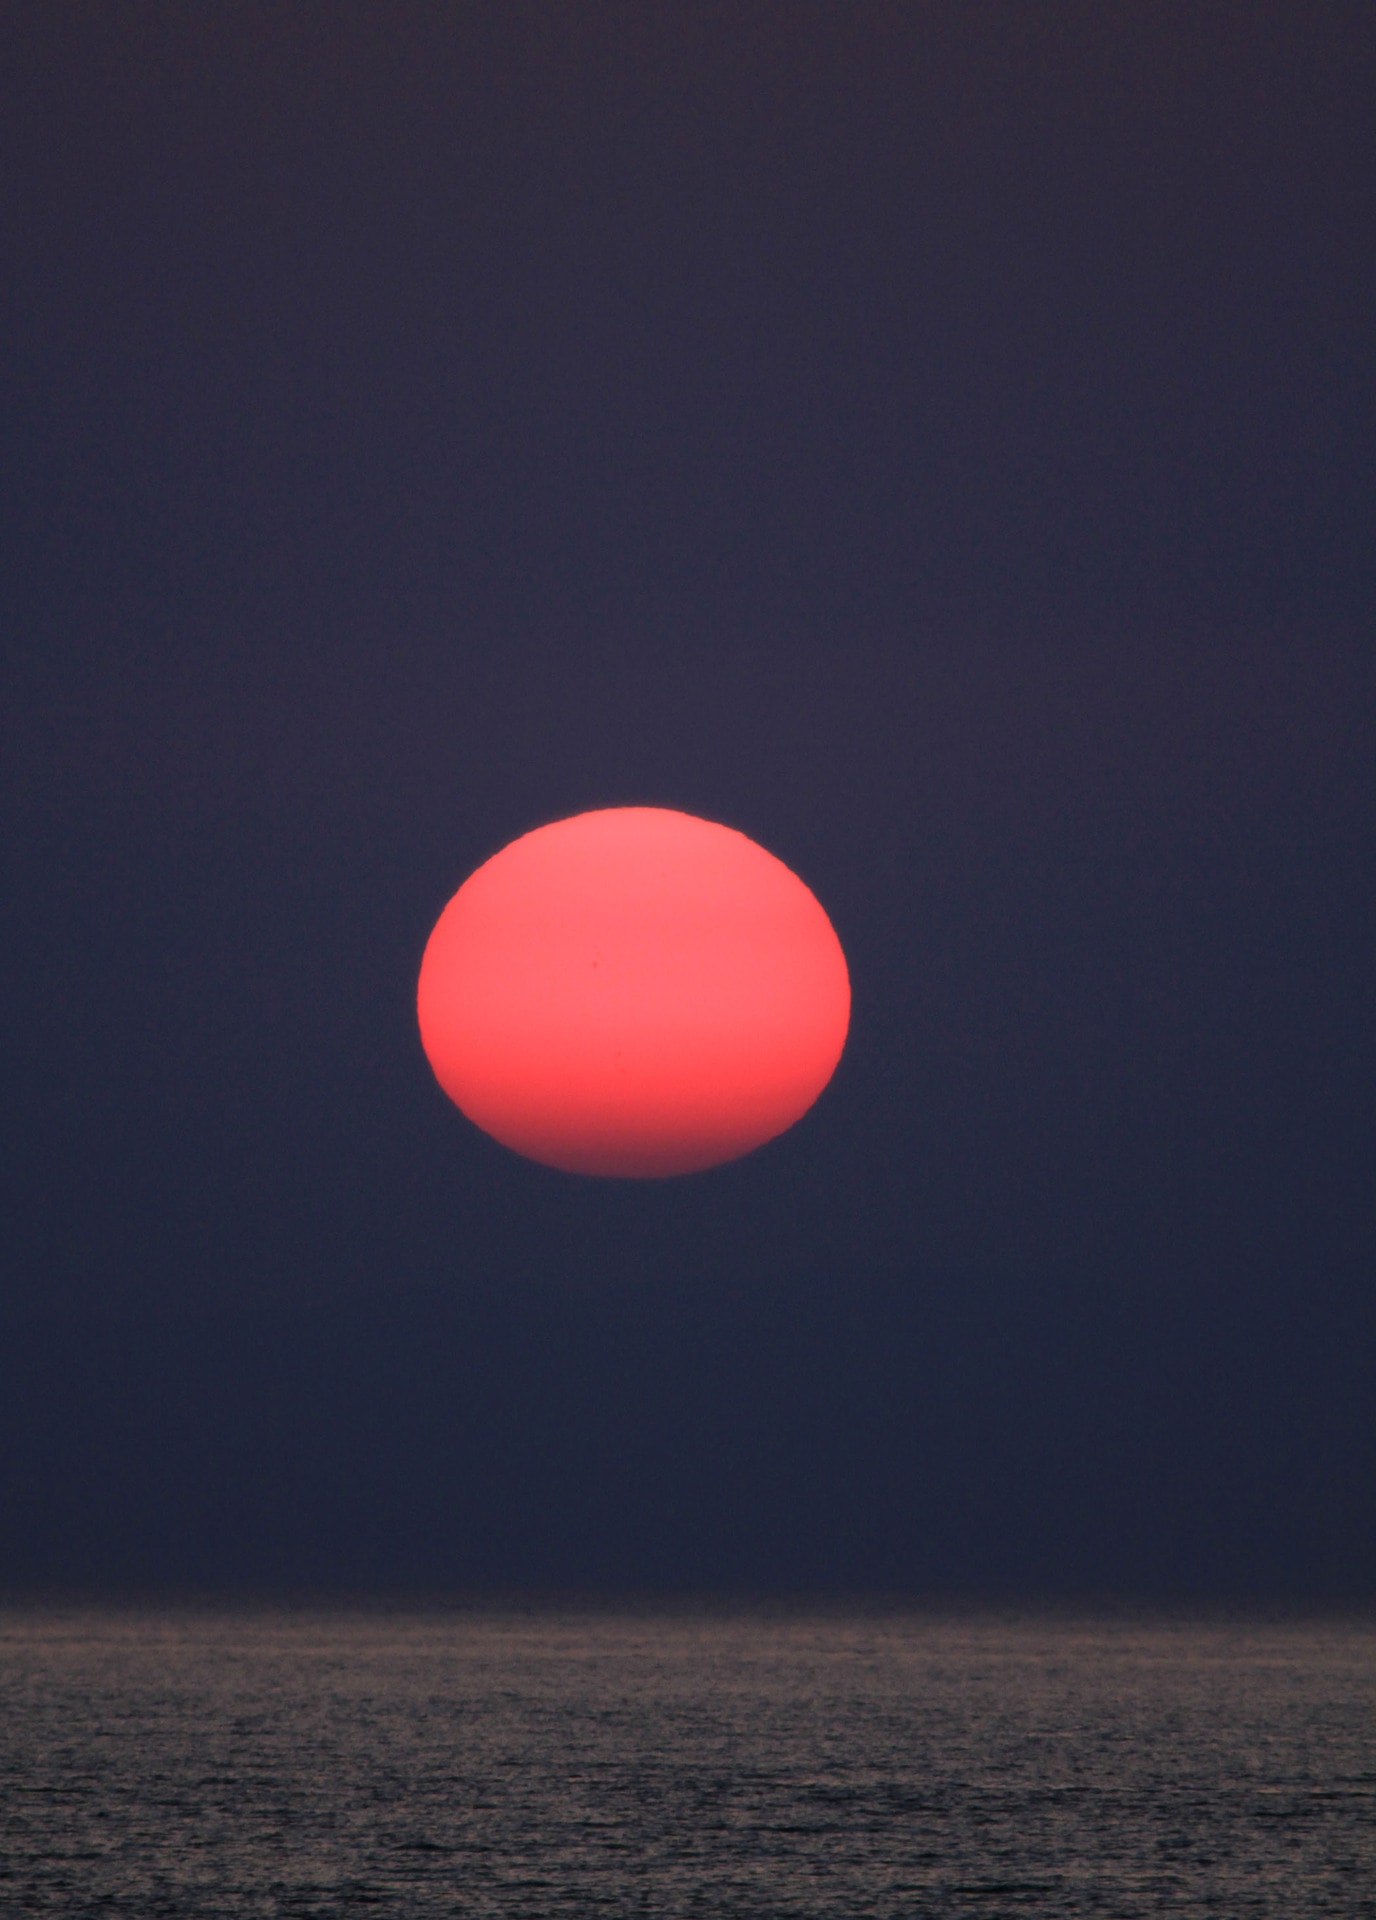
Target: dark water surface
414, 1763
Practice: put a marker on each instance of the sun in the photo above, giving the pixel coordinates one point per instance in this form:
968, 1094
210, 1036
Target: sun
633, 992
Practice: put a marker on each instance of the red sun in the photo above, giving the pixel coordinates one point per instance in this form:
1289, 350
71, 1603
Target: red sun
633, 992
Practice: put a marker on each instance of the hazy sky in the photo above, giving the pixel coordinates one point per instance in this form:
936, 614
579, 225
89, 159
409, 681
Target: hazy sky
936, 440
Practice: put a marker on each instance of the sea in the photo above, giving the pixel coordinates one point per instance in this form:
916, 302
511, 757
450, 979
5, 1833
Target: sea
597, 1760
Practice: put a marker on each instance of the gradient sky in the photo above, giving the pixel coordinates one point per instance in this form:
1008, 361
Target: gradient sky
936, 440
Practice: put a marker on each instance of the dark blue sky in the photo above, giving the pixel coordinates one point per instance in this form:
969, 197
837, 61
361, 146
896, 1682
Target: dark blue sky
936, 440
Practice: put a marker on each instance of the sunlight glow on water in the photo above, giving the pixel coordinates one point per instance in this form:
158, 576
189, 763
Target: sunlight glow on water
494, 1764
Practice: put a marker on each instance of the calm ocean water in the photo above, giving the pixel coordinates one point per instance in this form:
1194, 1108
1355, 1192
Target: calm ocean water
410, 1763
